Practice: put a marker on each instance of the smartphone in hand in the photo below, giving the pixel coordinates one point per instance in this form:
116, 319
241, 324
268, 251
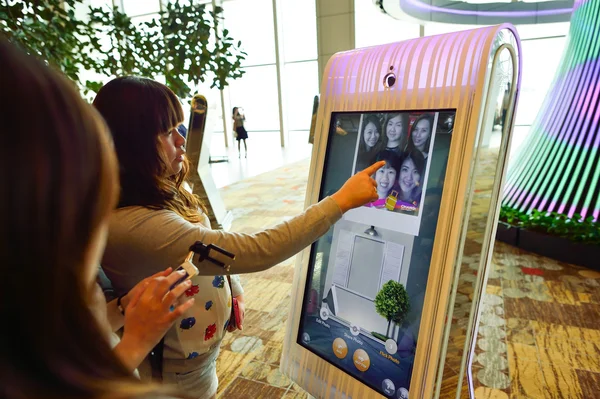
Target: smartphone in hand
190, 270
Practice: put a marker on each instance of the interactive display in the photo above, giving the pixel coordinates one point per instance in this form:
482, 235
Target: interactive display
367, 277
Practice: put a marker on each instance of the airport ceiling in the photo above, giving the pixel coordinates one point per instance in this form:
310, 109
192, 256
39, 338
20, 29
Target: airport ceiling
479, 12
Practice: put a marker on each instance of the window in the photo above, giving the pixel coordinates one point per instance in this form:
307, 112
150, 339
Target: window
299, 26
140, 7
373, 27
256, 93
252, 23
540, 62
301, 86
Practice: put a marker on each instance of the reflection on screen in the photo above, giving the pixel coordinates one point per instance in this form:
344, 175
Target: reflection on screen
378, 255
365, 267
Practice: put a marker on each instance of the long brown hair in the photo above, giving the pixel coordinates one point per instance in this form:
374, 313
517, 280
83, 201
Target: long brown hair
59, 182
138, 110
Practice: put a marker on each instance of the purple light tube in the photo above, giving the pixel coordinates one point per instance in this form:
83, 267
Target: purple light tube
504, 14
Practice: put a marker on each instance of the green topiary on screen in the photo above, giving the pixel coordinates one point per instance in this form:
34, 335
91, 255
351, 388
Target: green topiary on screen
392, 303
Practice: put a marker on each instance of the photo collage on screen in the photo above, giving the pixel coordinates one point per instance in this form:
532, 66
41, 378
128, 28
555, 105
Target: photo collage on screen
367, 277
403, 140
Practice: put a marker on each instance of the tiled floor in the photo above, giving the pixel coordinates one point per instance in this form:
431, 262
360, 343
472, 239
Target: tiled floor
539, 335
264, 154
248, 366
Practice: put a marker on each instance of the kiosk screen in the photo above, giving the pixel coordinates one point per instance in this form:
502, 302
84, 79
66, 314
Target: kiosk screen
367, 277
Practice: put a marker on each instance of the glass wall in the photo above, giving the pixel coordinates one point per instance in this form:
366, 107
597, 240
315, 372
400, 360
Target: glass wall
372, 26
298, 21
258, 91
542, 47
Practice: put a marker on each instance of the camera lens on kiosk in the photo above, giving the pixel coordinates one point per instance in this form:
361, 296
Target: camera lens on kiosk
389, 80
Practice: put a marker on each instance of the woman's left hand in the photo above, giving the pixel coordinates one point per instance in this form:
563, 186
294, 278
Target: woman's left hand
242, 307
151, 310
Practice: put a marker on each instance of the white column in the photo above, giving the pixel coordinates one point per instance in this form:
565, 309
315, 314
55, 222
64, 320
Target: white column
277, 29
335, 29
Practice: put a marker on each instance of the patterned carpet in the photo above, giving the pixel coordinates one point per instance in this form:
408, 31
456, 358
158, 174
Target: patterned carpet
248, 366
539, 335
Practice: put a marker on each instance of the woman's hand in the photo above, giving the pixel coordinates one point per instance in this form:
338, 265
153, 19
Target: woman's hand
149, 314
358, 190
242, 307
141, 286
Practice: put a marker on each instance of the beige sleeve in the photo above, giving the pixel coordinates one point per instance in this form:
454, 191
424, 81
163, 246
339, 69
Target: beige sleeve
150, 241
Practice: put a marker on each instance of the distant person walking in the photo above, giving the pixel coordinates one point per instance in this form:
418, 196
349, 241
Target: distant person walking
238, 127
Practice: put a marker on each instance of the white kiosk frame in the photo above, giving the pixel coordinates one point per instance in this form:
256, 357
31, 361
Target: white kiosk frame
452, 71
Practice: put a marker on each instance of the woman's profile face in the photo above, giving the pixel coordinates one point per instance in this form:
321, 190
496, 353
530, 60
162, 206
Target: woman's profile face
371, 135
385, 178
172, 145
409, 176
394, 129
421, 133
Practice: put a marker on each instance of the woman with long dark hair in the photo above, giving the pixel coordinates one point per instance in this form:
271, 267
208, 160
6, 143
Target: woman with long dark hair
158, 219
59, 184
241, 134
411, 176
420, 134
369, 142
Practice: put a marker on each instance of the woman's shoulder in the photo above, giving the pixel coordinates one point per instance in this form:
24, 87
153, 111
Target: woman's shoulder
140, 213
135, 218
156, 238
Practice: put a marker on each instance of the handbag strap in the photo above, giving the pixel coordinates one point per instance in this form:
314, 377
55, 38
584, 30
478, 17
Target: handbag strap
156, 360
232, 315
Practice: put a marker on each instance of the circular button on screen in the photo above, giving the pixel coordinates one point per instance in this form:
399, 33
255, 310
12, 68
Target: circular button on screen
340, 348
388, 387
324, 313
402, 393
305, 338
361, 360
391, 347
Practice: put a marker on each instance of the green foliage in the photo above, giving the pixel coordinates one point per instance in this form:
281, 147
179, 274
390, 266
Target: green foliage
183, 45
392, 302
575, 229
50, 31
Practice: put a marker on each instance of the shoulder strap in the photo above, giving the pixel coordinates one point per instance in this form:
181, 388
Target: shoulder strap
156, 360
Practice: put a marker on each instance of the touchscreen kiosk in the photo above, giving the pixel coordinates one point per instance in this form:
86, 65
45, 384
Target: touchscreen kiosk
374, 298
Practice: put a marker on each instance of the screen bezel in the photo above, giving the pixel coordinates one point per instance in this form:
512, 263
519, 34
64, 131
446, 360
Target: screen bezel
312, 253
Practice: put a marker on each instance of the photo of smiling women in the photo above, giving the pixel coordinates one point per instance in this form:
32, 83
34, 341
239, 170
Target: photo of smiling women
396, 132
370, 142
410, 180
385, 177
411, 151
420, 134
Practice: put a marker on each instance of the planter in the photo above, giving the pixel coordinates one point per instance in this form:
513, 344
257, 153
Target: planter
508, 234
560, 248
